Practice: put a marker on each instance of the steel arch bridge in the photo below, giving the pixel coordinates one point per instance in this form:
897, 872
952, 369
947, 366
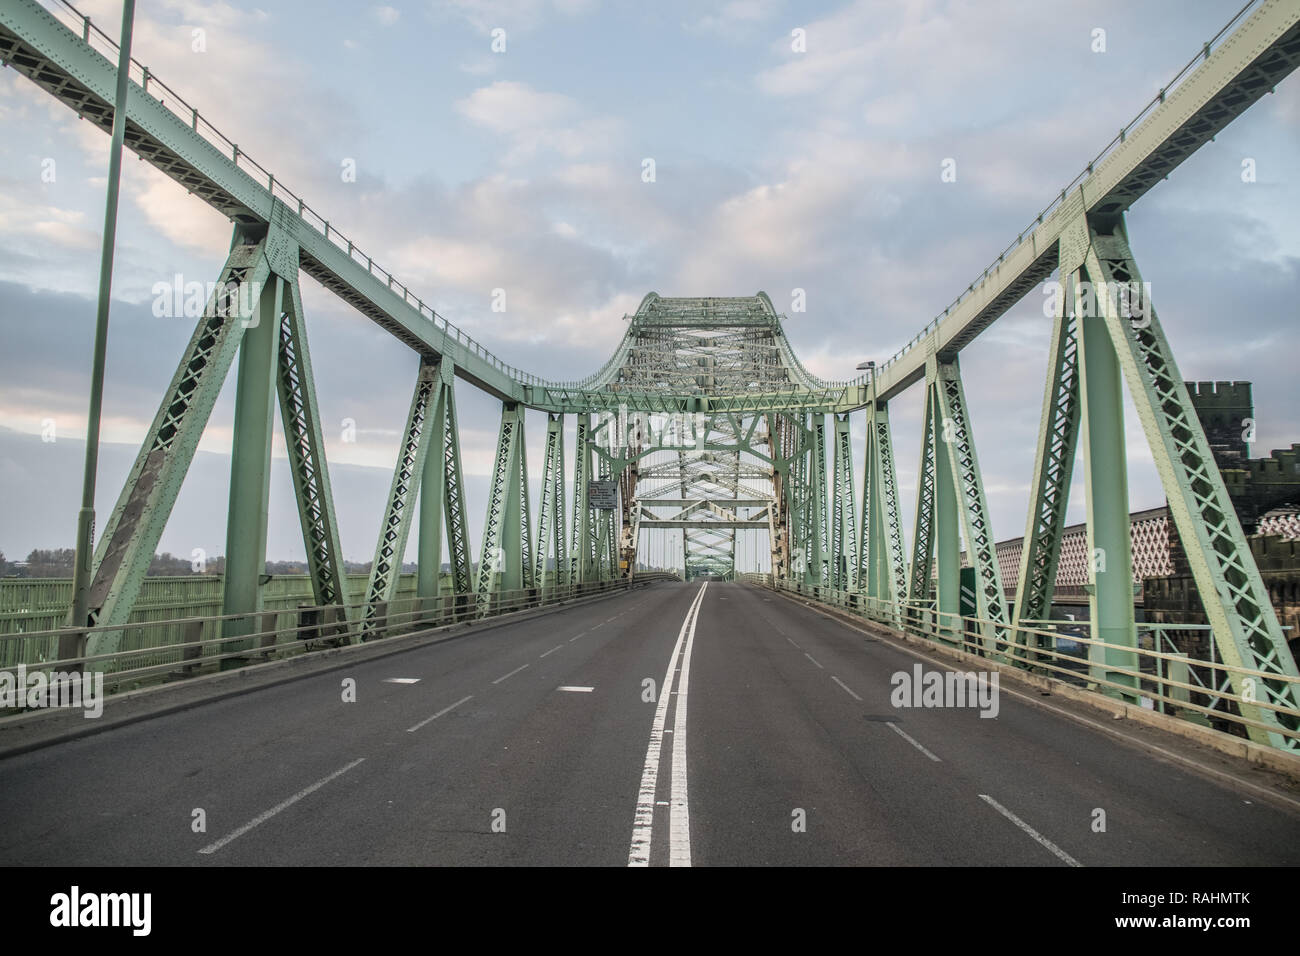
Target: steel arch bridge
703, 419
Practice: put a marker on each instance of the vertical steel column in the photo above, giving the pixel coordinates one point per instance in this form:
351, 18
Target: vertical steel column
818, 572
305, 443
250, 469
869, 532
844, 543
432, 496
1110, 599
946, 517
921, 573
887, 556
579, 555
606, 546
462, 567
972, 507
499, 557
386, 568
551, 528
1053, 466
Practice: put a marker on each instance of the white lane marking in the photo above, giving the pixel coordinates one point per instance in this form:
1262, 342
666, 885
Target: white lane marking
1036, 700
258, 820
911, 740
511, 674
552, 650
401, 680
643, 823
1055, 850
846, 687
813, 659
791, 640
445, 710
679, 820
577, 690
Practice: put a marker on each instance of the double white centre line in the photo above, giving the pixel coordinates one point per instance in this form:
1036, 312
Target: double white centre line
679, 826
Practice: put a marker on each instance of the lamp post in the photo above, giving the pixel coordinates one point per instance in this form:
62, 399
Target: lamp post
72, 644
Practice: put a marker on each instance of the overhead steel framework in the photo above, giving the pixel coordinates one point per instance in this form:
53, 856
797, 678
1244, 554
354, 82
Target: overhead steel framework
703, 422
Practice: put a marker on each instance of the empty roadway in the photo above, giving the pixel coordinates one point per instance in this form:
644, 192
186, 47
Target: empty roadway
480, 757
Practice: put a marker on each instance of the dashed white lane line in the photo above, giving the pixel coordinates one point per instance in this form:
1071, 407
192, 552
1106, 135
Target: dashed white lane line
552, 650
643, 823
911, 740
1052, 847
846, 687
813, 659
401, 680
258, 820
511, 674
577, 690
1109, 730
791, 640
445, 710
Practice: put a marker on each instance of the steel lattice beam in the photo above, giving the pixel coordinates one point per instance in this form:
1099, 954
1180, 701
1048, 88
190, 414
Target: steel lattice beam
130, 536
408, 474
1245, 626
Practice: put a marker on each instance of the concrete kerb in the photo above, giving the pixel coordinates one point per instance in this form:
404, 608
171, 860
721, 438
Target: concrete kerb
1270, 758
35, 729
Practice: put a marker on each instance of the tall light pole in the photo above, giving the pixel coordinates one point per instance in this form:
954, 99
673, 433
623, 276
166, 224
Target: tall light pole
71, 645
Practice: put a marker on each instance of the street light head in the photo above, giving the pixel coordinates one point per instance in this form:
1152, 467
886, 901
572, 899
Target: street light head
863, 366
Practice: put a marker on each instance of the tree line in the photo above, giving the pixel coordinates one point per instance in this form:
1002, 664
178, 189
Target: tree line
59, 562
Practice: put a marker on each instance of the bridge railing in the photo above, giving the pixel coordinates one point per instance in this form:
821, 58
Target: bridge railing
161, 651
1156, 675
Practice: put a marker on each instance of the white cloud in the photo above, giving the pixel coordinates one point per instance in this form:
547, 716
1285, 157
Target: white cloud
518, 15
535, 121
736, 15
511, 107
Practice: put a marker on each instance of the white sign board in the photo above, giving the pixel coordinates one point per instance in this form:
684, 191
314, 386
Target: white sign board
602, 495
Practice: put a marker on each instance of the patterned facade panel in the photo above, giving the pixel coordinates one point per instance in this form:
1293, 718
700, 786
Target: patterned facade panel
1150, 536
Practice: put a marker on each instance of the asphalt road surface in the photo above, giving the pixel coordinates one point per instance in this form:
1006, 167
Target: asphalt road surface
716, 724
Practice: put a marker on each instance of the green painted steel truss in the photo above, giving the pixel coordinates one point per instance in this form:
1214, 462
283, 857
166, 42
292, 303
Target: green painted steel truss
752, 450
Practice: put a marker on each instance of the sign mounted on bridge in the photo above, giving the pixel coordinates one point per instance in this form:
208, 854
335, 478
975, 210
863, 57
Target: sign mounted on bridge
602, 495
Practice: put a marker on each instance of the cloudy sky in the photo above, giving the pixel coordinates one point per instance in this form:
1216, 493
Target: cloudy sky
521, 169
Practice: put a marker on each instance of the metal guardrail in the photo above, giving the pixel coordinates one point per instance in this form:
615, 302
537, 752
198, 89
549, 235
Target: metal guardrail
1168, 681
28, 605
151, 653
